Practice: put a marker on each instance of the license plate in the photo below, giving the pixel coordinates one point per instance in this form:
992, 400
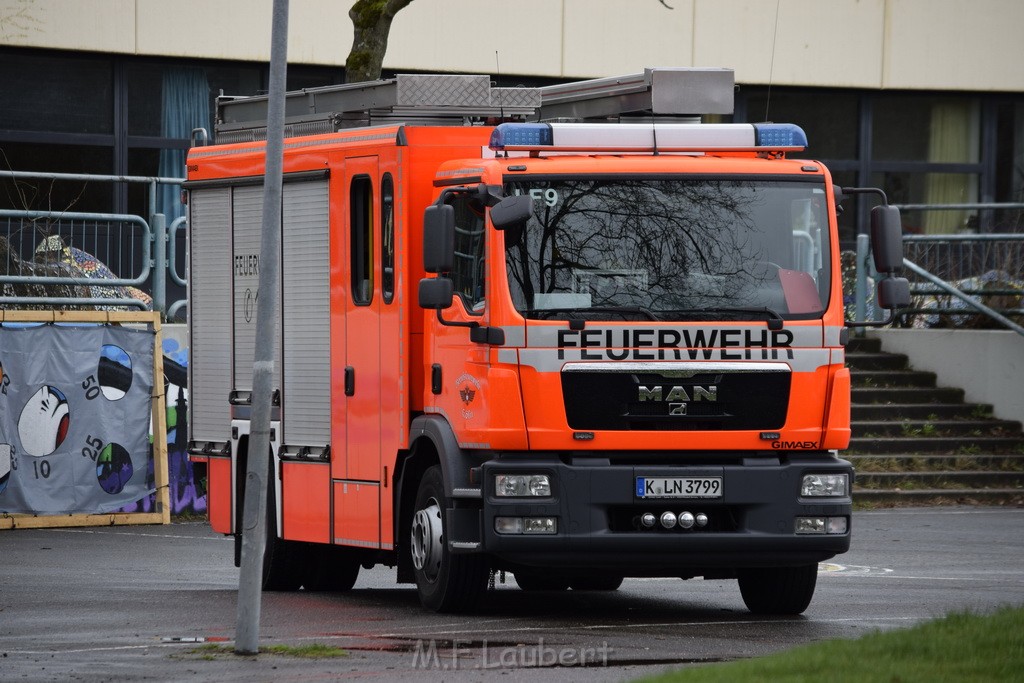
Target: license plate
678, 487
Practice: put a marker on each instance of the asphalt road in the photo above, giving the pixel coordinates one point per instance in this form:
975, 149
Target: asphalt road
140, 604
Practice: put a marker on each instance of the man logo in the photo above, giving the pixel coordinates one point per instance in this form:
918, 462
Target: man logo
677, 394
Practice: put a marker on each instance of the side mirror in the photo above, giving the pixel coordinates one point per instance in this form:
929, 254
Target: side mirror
438, 239
893, 293
512, 212
886, 239
436, 293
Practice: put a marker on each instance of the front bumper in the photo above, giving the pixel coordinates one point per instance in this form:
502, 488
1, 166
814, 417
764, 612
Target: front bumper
753, 523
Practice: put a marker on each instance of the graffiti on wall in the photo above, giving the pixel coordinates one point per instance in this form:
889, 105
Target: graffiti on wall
186, 495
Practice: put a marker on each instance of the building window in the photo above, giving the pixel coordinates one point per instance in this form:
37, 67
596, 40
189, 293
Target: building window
919, 148
829, 117
926, 149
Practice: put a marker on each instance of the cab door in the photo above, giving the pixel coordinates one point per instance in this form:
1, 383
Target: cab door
357, 493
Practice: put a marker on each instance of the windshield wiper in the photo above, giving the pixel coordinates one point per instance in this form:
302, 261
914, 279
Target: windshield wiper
775, 320
620, 310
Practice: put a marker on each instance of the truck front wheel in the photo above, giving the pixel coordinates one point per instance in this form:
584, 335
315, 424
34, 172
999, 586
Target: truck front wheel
778, 590
445, 582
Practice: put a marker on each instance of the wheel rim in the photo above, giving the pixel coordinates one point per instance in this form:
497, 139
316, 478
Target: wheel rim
426, 540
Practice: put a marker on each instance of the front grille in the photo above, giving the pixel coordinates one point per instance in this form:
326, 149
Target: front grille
715, 400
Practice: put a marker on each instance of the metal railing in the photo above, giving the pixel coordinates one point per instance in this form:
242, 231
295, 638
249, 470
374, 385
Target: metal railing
64, 258
956, 279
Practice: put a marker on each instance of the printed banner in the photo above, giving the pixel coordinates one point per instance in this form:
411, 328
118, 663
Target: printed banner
75, 406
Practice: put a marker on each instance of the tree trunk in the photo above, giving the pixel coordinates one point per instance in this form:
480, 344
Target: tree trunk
371, 20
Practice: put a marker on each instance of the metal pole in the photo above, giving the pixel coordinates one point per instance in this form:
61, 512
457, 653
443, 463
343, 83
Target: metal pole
256, 481
861, 287
158, 223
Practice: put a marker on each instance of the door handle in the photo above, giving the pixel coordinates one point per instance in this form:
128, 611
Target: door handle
350, 381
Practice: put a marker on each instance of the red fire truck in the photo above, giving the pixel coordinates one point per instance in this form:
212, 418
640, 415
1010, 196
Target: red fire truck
571, 332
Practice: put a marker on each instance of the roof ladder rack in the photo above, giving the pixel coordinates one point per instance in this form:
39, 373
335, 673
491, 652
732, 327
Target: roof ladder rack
465, 100
655, 93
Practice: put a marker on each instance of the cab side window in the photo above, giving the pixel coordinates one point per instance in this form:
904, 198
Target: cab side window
387, 238
469, 269
361, 245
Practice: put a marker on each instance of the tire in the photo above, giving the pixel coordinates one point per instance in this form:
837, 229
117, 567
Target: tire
778, 590
445, 582
596, 583
529, 581
282, 560
329, 568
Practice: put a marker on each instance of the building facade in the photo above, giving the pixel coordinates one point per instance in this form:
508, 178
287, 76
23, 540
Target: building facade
924, 98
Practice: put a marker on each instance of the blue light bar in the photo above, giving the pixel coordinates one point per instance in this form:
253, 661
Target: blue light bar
780, 135
521, 135
643, 137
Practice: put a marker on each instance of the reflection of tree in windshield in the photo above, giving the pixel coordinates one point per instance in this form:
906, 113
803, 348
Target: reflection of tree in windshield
657, 245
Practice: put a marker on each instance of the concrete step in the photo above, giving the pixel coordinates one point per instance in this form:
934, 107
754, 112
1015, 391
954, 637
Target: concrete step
967, 496
872, 379
909, 462
884, 395
864, 345
941, 479
918, 444
935, 427
876, 361
918, 411
969, 445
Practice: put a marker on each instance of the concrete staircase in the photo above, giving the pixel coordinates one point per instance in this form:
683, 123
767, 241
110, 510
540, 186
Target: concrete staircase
915, 443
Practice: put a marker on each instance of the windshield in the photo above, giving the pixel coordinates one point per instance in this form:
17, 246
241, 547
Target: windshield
672, 248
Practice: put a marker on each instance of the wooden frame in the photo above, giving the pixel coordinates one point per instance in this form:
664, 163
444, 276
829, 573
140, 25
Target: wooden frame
162, 515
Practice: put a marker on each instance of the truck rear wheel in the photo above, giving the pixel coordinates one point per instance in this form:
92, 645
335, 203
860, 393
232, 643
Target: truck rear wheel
778, 590
446, 582
329, 568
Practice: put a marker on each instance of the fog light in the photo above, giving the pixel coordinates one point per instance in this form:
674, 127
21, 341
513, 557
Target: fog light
701, 519
648, 520
526, 525
508, 525
540, 525
838, 525
686, 520
810, 525
668, 519
522, 485
825, 485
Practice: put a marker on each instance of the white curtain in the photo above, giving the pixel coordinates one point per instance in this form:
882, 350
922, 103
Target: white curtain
954, 137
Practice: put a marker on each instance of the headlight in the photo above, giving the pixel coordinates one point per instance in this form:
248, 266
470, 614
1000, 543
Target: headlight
825, 485
522, 485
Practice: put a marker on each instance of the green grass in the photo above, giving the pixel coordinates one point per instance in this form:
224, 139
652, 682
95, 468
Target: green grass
959, 647
926, 429
310, 651
980, 411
